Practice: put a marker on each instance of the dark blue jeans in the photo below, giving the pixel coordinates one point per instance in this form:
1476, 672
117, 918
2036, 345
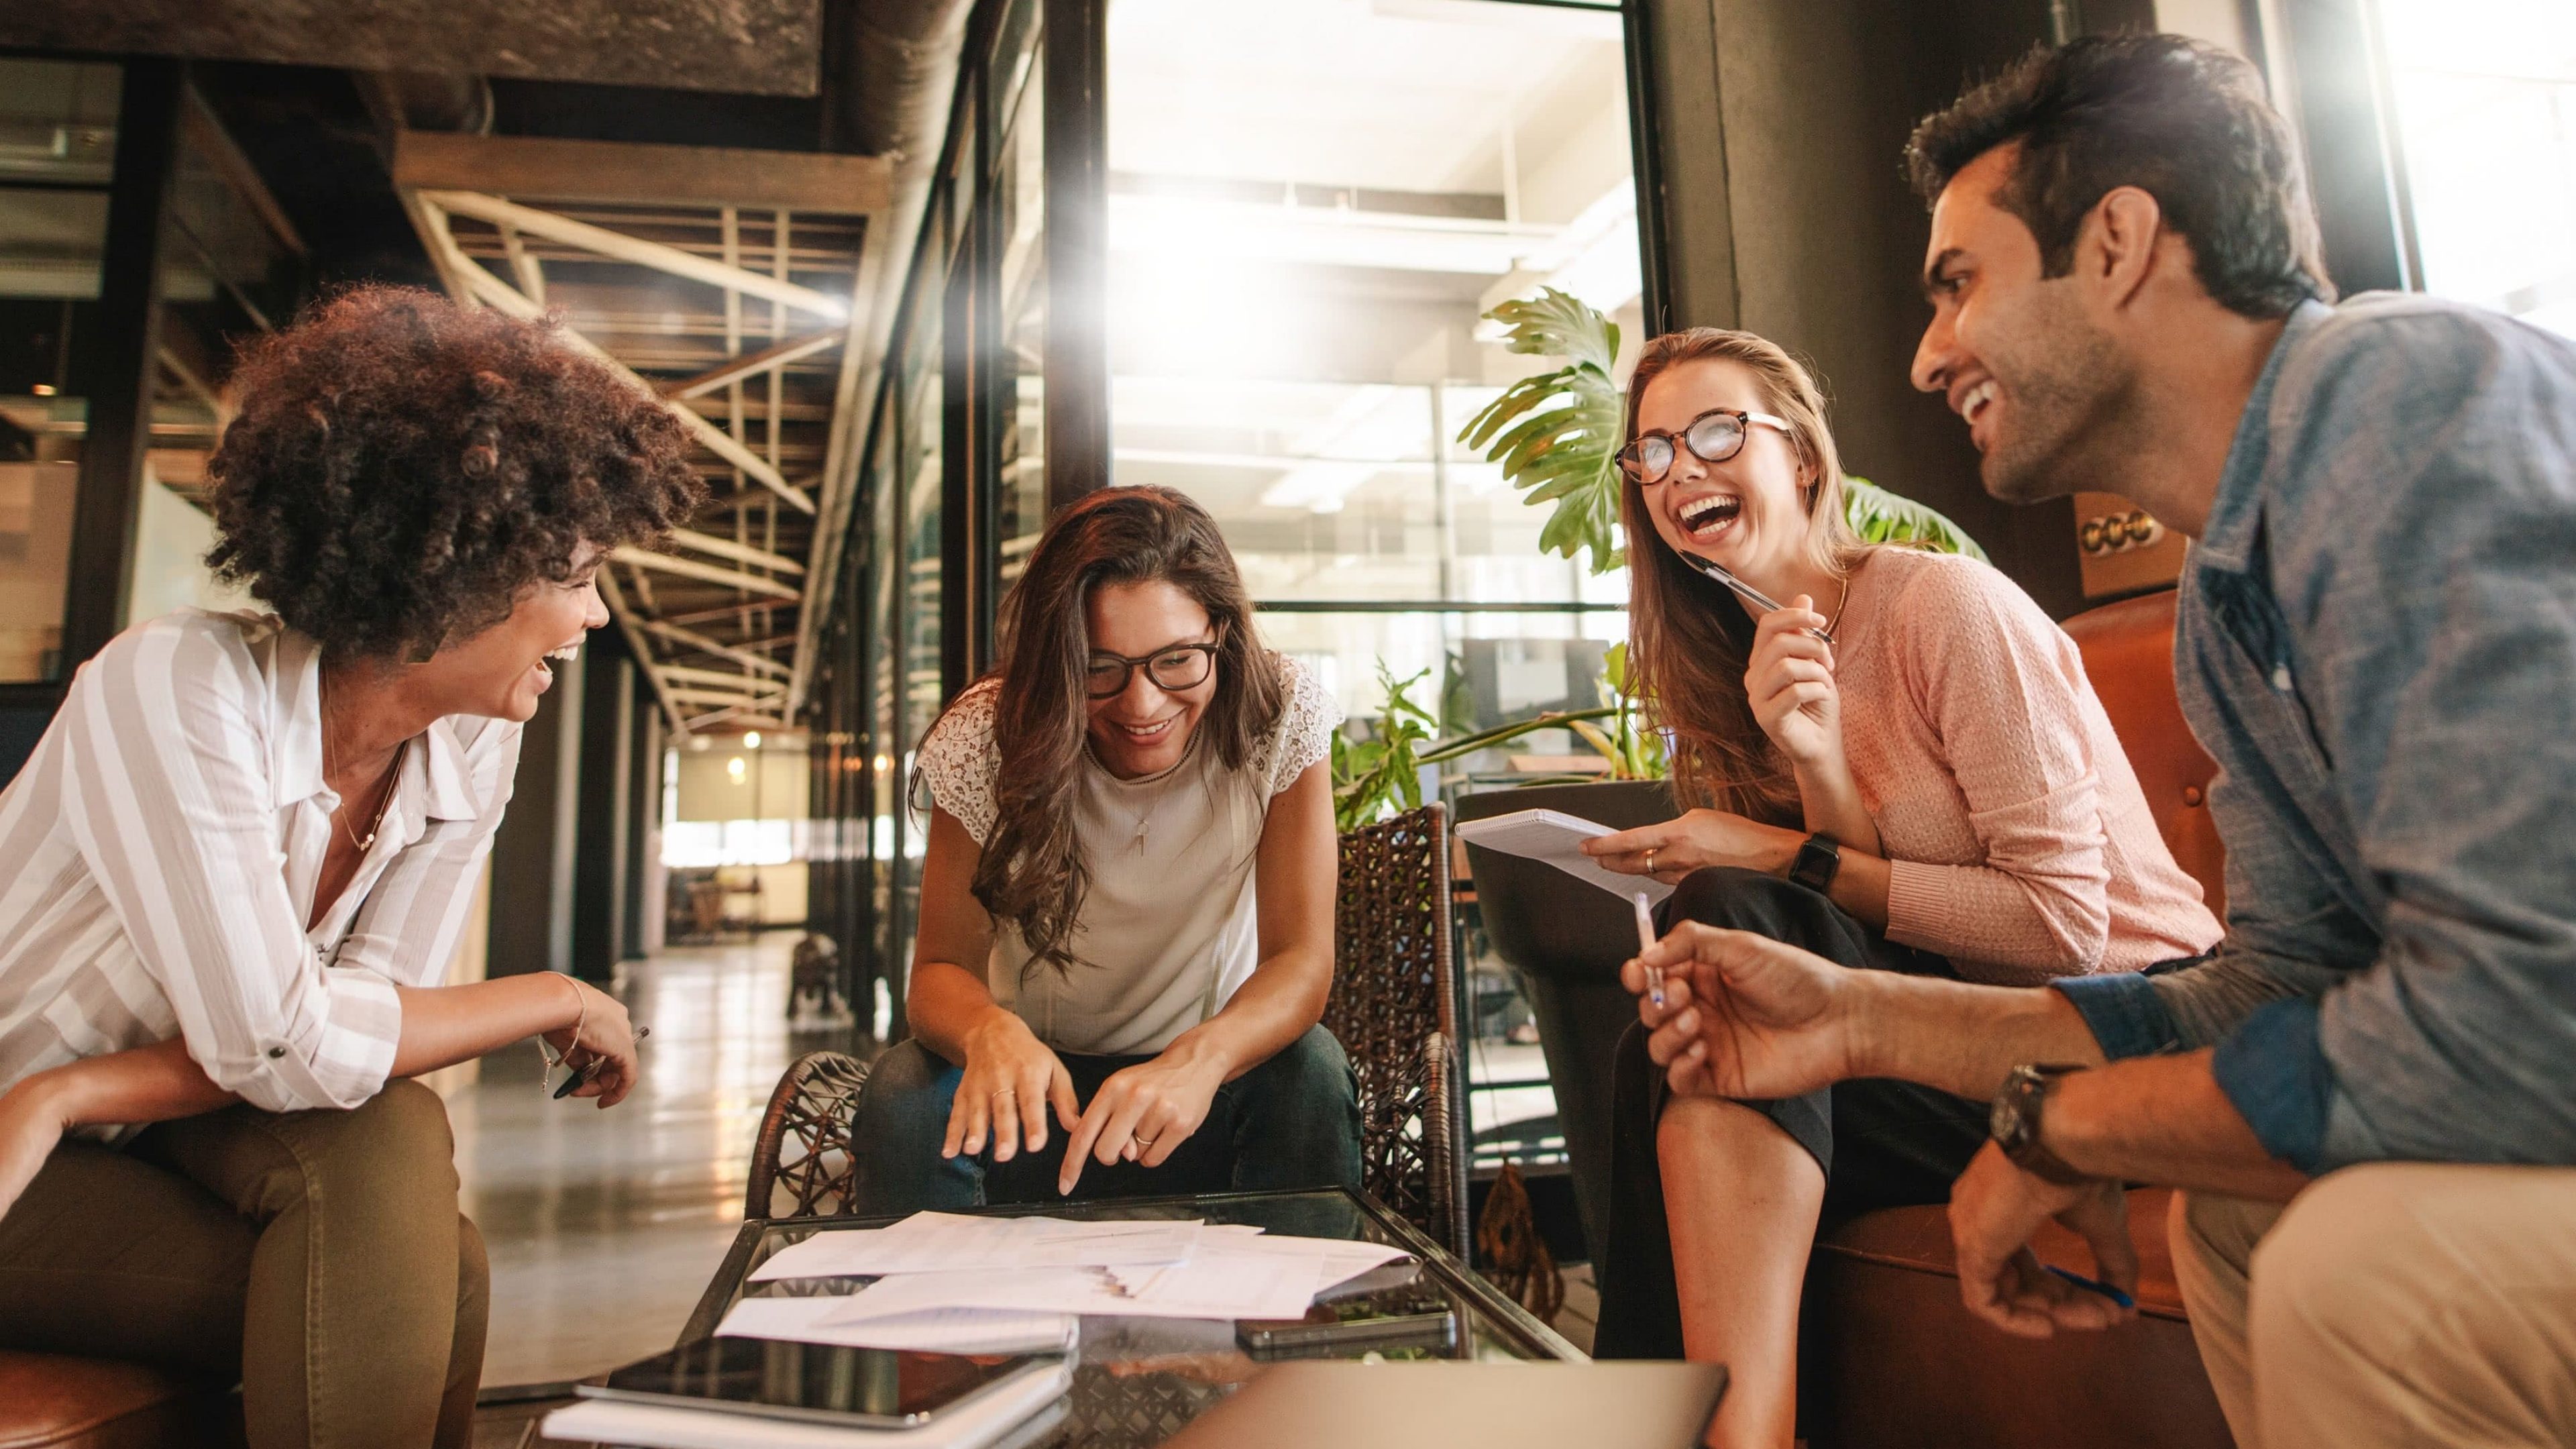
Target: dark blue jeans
1291, 1122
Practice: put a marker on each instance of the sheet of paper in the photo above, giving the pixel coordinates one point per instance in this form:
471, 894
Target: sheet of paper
1336, 1260
1212, 1283
1020, 1414
948, 1242
938, 1330
1556, 838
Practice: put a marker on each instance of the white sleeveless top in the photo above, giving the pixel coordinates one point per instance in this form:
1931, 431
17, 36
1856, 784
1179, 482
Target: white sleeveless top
1168, 929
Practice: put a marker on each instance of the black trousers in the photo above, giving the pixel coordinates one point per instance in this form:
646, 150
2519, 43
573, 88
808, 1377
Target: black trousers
1881, 1143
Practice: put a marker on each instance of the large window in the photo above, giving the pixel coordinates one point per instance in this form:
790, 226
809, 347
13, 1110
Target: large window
2486, 110
1311, 203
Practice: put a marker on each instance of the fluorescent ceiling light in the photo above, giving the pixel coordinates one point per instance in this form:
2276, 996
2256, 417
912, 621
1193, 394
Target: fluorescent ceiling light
1232, 231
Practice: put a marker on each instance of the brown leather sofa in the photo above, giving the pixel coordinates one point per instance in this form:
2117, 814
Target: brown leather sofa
48, 1401
1893, 1360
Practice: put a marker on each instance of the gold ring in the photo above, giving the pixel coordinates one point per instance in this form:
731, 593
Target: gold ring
1650, 860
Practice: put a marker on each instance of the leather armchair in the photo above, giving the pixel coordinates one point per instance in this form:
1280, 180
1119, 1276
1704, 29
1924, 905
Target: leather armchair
51, 1401
1891, 1357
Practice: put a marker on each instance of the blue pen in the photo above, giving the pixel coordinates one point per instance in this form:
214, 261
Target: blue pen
2090, 1285
1645, 943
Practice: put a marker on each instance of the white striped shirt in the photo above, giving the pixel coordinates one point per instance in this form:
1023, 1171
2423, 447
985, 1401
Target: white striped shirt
159, 856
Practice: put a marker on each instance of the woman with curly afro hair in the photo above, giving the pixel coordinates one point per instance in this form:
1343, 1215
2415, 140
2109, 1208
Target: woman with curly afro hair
233, 873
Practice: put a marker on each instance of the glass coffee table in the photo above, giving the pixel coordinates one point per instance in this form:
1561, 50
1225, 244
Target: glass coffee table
1138, 1380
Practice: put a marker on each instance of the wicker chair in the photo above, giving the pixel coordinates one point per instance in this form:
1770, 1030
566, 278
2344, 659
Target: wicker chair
1393, 1008
802, 1165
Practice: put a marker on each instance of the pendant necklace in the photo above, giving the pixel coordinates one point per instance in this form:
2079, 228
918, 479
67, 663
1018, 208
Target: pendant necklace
385, 800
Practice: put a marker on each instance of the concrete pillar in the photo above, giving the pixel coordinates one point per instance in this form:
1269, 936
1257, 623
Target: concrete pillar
642, 926
603, 809
532, 855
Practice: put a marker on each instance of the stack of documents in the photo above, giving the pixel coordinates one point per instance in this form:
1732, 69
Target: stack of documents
1017, 1285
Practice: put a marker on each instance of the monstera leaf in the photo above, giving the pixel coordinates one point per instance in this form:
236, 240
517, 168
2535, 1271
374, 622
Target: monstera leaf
1879, 516
1556, 433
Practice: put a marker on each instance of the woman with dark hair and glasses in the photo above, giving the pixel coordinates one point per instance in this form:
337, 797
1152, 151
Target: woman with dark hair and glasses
1900, 768
1127, 897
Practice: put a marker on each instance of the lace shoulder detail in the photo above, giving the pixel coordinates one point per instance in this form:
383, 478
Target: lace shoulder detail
1305, 731
958, 761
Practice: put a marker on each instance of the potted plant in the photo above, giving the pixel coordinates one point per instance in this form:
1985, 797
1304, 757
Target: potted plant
1556, 435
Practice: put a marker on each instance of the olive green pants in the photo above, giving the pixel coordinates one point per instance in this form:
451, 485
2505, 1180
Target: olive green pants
318, 1256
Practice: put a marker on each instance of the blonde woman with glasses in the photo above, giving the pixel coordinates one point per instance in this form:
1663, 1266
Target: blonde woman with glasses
1900, 768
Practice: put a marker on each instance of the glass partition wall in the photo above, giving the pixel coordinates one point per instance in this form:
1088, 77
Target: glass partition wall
952, 491
224, 264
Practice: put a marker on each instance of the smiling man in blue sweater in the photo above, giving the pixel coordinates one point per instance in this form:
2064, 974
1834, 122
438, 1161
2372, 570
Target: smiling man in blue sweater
2368, 1090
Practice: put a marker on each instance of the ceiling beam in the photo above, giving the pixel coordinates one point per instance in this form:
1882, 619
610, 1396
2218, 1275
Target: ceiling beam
634, 557
740, 718
687, 639
875, 290
636, 251
739, 684
216, 144
471, 282
524, 265
753, 364
622, 171
693, 694
724, 611
738, 552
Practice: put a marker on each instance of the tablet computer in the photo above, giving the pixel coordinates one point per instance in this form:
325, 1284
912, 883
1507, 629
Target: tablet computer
880, 1388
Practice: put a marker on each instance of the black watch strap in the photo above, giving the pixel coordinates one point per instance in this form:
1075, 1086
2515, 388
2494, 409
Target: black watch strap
1816, 863
2019, 1109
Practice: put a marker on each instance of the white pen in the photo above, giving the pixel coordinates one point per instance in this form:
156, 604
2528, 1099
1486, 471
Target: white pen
1645, 943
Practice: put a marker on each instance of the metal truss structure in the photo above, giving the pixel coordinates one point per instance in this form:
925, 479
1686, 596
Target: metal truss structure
748, 289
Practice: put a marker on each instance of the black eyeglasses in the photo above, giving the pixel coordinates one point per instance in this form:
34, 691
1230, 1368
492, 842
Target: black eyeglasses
1713, 437
1183, 666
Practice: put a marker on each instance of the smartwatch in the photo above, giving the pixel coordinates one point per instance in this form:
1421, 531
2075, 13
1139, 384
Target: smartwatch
1816, 862
2015, 1120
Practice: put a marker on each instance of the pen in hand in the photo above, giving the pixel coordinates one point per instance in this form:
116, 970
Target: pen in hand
1645, 942
2091, 1285
577, 1080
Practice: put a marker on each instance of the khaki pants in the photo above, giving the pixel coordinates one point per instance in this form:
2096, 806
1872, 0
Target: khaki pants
2390, 1304
317, 1256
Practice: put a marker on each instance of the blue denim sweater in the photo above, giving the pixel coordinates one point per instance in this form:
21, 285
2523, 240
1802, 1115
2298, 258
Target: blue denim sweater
2377, 642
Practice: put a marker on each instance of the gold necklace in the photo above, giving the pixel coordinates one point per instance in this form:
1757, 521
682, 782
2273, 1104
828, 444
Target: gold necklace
1833, 625
384, 785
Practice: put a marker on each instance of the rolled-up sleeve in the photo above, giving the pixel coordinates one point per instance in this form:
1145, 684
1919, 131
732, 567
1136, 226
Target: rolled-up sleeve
168, 794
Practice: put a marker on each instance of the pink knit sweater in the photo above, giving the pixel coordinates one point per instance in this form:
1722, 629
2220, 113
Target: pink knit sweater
2019, 843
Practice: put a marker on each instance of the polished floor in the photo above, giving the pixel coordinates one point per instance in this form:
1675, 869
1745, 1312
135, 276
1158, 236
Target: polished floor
604, 1226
